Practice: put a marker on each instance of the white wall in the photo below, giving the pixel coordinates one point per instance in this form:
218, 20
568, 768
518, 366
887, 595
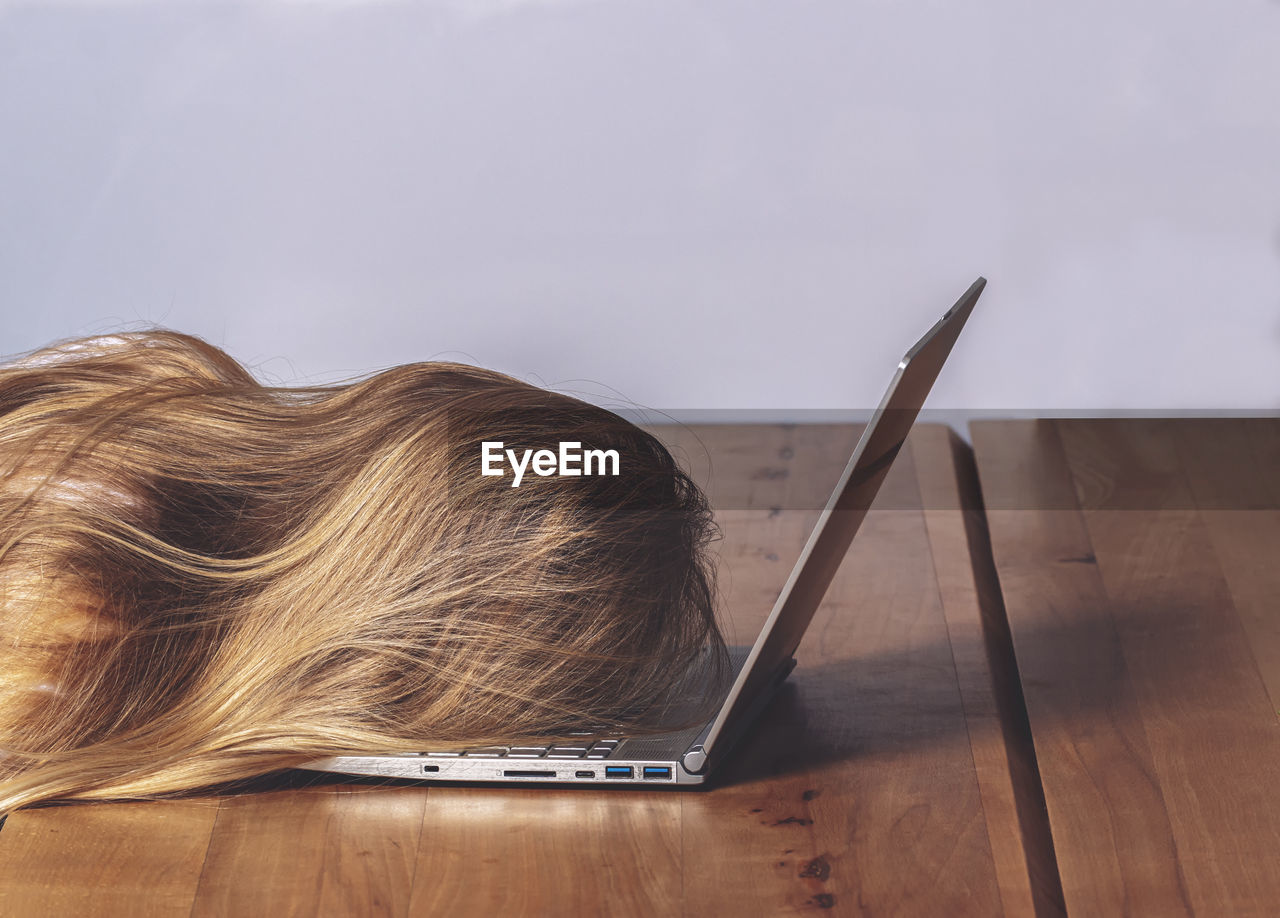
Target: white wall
696, 205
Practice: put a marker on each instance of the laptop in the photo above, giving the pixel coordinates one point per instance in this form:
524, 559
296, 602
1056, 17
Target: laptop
690, 756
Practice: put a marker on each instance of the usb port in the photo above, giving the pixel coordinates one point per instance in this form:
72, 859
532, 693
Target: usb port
657, 771
430, 767
617, 771
584, 774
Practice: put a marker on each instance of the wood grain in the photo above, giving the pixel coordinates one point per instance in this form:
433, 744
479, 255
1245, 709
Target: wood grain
1111, 833
1208, 718
328, 850
1233, 471
139, 859
522, 851
1154, 730
986, 671
858, 790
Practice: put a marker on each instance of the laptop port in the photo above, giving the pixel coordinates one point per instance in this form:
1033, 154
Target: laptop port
657, 771
512, 773
584, 774
430, 767
618, 771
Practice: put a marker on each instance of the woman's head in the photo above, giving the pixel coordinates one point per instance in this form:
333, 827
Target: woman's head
202, 578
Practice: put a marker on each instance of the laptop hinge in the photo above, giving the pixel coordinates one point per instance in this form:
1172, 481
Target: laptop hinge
696, 758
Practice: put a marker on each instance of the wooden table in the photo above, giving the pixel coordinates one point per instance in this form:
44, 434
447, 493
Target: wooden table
899, 773
1140, 567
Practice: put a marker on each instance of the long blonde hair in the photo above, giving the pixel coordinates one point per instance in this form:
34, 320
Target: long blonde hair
204, 579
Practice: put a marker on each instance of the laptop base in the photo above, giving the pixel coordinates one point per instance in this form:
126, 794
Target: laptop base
650, 759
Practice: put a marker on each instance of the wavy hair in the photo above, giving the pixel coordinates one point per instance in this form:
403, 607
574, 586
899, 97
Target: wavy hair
204, 579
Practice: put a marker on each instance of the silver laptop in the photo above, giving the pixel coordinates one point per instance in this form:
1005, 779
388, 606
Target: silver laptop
691, 756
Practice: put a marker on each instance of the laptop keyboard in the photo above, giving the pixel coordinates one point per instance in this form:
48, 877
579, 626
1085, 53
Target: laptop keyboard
587, 749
